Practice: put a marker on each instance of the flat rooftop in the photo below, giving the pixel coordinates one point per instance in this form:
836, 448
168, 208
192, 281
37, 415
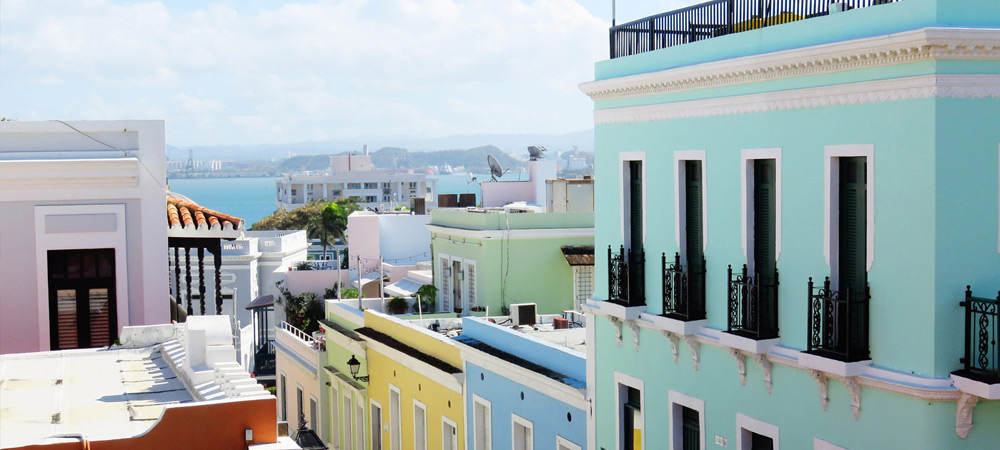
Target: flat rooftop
100, 393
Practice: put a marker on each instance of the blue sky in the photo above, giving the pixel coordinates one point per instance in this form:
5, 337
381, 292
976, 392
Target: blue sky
267, 72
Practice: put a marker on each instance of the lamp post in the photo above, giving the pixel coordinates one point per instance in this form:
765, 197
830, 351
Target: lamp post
354, 365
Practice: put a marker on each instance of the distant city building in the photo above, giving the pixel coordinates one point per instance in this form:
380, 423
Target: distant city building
354, 177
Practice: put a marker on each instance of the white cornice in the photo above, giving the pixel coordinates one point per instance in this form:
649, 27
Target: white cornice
69, 174
928, 44
450, 381
953, 86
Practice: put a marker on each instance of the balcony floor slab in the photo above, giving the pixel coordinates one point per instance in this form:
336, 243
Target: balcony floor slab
833, 366
746, 344
977, 388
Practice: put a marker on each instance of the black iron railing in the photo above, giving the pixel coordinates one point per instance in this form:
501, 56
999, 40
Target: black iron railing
626, 280
982, 331
682, 298
838, 322
718, 18
263, 360
753, 306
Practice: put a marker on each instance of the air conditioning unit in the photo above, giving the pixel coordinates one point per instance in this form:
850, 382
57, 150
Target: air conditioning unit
523, 314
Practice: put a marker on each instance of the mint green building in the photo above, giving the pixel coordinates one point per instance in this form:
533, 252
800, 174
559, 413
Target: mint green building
496, 257
792, 198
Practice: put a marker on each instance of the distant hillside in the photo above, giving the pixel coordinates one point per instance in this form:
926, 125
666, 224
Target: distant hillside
509, 143
401, 158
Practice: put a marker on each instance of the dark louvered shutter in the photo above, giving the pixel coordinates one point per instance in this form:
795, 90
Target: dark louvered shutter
764, 237
694, 231
691, 429
635, 205
853, 226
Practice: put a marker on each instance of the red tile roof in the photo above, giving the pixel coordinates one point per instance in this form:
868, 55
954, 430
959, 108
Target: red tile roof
184, 213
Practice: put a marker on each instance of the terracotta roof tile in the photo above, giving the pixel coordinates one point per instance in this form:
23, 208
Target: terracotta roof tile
182, 212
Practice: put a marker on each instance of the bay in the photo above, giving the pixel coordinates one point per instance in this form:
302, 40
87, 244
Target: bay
253, 198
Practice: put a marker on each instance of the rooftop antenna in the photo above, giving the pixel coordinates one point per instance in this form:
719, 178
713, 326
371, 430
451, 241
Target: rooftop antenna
472, 179
496, 171
536, 152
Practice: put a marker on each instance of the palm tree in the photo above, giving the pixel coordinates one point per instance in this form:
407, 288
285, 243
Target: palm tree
330, 225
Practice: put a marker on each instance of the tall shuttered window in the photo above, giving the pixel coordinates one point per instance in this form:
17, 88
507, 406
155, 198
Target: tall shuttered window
853, 260
635, 205
632, 419
82, 304
691, 429
694, 243
764, 238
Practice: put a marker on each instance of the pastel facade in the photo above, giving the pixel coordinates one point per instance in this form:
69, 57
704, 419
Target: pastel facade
415, 387
298, 359
346, 397
867, 134
522, 391
87, 197
494, 258
354, 177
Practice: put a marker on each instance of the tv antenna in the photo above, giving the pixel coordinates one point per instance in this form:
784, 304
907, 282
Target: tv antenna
536, 152
496, 171
472, 179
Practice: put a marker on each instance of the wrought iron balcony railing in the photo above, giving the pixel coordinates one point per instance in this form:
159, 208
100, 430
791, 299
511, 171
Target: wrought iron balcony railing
982, 331
718, 18
683, 290
263, 360
626, 280
753, 306
838, 322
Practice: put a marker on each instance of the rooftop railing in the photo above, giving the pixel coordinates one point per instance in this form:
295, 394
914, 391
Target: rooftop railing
718, 18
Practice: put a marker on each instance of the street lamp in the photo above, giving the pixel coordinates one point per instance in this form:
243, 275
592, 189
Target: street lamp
354, 365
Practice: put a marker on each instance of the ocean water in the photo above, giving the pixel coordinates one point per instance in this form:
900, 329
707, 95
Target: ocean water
252, 199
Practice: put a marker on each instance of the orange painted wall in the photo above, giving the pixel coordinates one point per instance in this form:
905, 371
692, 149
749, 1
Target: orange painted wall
204, 425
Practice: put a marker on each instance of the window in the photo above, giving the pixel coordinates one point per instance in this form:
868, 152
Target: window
82, 306
753, 434
449, 434
859, 181
565, 444
298, 403
583, 282
371, 185
687, 416
457, 284
284, 399
348, 423
521, 433
385, 185
376, 426
757, 312
371, 198
413, 185
313, 416
360, 408
419, 425
445, 288
354, 185
385, 198
294, 191
693, 246
630, 423
482, 426
334, 417
395, 416
470, 282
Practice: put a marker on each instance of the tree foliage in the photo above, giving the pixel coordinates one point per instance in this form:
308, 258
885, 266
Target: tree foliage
309, 217
303, 311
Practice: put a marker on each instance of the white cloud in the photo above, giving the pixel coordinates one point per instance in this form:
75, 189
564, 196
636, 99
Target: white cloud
321, 69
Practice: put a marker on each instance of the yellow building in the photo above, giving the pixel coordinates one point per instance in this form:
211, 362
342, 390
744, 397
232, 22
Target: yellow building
415, 386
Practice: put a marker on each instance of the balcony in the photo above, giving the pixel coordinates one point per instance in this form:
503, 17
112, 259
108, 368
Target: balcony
838, 323
683, 291
753, 306
981, 361
626, 278
718, 18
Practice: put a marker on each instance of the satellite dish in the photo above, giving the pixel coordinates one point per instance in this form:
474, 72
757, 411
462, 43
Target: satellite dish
495, 170
536, 152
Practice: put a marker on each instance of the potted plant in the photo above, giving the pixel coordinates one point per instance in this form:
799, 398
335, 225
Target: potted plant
397, 305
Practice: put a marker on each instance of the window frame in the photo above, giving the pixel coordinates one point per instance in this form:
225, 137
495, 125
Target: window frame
488, 422
819, 444
515, 421
748, 156
624, 158
831, 200
680, 229
283, 390
417, 404
676, 400
372, 406
454, 437
621, 381
746, 425
562, 442
395, 444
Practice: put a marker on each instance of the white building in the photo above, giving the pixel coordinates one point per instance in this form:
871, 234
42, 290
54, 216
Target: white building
398, 241
354, 176
83, 241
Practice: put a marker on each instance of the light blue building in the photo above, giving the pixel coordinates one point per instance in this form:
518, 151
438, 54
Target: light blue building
851, 147
523, 389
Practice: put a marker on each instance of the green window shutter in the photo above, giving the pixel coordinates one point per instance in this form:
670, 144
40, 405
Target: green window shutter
691, 426
764, 238
694, 232
635, 204
853, 225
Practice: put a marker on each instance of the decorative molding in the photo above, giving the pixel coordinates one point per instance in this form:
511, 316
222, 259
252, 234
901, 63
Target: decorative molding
741, 364
766, 366
618, 328
926, 86
674, 343
928, 44
824, 387
963, 414
695, 347
635, 333
852, 385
